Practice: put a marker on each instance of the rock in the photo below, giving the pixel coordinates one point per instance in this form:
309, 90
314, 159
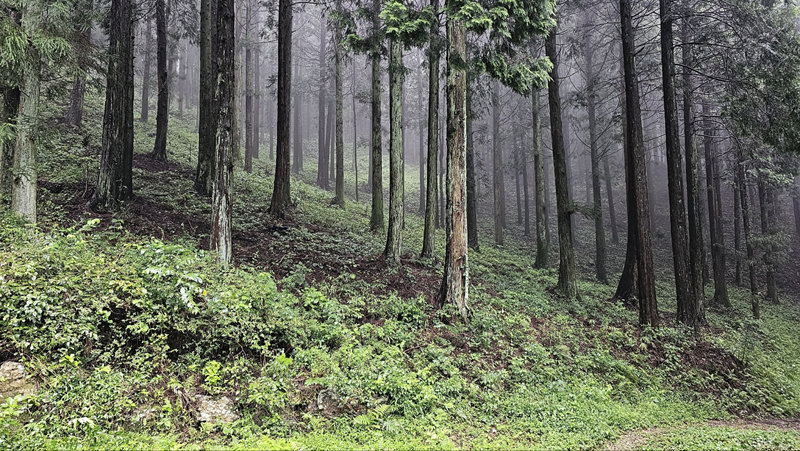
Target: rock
144, 415
215, 410
14, 380
327, 402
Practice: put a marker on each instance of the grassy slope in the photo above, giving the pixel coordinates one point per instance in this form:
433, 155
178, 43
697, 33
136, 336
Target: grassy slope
113, 324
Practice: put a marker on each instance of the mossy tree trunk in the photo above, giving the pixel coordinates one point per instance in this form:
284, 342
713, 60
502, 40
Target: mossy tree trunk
396, 75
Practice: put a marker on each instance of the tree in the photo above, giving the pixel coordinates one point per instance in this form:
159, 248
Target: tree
396, 170
145, 111
280, 192
115, 180
567, 285
455, 282
337, 57
431, 185
685, 288
472, 212
322, 167
498, 181
82, 41
538, 170
637, 178
224, 99
162, 109
207, 130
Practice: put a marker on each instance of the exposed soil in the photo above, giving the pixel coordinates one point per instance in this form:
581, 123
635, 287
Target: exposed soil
638, 439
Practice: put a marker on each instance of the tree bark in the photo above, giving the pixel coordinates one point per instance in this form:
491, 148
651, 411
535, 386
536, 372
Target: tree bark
525, 192
498, 181
567, 284
714, 214
455, 282
685, 289
695, 227
433, 139
280, 192
612, 215
322, 168
542, 243
376, 152
297, 155
767, 219
249, 84
257, 103
355, 127
737, 224
394, 235
162, 111
207, 115
225, 98
148, 47
743, 198
472, 212
337, 47
645, 279
115, 179
74, 115
11, 100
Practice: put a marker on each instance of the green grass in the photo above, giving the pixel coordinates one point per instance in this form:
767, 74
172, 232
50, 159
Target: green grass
112, 323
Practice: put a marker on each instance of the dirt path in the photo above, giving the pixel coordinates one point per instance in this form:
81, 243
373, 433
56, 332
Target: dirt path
638, 439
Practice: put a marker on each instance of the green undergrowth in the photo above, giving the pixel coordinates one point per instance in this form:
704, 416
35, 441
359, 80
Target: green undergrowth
725, 437
122, 332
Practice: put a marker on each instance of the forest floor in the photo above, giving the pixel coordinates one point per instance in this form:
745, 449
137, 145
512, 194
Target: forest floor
125, 323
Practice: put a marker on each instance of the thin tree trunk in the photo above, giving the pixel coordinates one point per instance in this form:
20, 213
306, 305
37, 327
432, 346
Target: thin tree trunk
280, 192
207, 115
355, 129
257, 104
455, 281
612, 215
567, 284
394, 235
74, 115
714, 214
337, 45
249, 84
146, 73
525, 192
497, 167
737, 224
765, 201
542, 243
695, 225
743, 198
433, 140
472, 212
376, 152
322, 174
796, 208
297, 155
648, 307
225, 98
162, 111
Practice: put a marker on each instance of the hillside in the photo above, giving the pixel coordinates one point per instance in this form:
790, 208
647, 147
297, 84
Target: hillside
127, 327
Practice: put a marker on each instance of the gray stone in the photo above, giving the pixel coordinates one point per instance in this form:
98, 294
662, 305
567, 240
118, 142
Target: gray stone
14, 380
215, 410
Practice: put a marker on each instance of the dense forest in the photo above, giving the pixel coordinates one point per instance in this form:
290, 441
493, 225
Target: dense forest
337, 224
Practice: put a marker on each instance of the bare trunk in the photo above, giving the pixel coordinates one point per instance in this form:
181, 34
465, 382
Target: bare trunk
542, 243
297, 154
567, 284
249, 84
207, 115
394, 235
280, 192
498, 181
376, 152
472, 213
714, 213
11, 100
162, 111
433, 140
339, 193
455, 281
743, 198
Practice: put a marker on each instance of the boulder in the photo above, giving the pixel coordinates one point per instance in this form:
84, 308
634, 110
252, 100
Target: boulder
215, 410
14, 380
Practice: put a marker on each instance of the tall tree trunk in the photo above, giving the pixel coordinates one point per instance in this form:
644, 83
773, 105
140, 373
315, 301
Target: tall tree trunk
648, 307
11, 99
249, 84
567, 284
541, 184
421, 148
224, 99
526, 194
280, 192
162, 112
74, 115
207, 115
498, 182
685, 289
594, 155
322, 174
612, 215
337, 46
297, 155
743, 198
714, 213
796, 208
518, 188
355, 128
455, 281
433, 138
737, 223
257, 103
376, 152
115, 179
394, 235
23, 186
767, 219
695, 227
472, 212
